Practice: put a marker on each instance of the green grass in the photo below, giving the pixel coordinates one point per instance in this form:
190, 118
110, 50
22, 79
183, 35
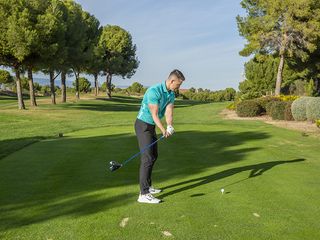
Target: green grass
60, 188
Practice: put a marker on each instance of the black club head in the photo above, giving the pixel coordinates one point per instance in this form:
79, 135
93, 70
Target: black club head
114, 166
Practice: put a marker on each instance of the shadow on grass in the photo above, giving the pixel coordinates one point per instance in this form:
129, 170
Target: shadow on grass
12, 145
255, 170
62, 177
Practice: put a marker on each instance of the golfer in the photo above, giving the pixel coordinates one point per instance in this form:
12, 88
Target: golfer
158, 101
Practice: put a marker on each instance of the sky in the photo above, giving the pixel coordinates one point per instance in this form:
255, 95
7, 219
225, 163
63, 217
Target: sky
200, 38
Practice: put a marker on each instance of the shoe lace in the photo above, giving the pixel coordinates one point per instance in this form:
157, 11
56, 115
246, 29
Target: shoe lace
149, 195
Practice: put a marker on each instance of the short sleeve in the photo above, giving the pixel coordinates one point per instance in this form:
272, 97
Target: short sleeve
153, 97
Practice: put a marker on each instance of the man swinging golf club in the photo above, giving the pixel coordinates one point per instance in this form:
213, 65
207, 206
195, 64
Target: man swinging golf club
158, 101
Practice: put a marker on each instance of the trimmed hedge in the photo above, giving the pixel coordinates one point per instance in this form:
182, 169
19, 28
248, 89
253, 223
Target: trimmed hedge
287, 112
268, 108
248, 108
276, 110
263, 101
280, 110
313, 109
299, 109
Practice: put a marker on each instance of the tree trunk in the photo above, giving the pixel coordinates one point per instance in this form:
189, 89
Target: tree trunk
53, 94
77, 86
63, 87
96, 85
31, 88
279, 75
19, 89
108, 85
282, 52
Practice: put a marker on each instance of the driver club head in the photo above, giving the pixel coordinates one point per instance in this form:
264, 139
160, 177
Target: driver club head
114, 166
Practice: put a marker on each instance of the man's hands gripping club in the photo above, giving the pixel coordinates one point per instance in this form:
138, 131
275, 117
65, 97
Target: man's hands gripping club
169, 112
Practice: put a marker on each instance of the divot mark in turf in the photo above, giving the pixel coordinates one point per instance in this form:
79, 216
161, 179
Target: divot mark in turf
167, 234
124, 222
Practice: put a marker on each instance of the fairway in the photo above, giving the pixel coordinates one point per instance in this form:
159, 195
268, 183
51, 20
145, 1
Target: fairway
60, 188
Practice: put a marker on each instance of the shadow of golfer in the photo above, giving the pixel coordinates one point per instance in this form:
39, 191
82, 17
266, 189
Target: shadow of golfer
256, 170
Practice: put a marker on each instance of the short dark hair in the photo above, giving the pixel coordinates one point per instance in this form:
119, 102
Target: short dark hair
178, 74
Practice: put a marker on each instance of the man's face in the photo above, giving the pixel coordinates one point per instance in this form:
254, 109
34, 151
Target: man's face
175, 83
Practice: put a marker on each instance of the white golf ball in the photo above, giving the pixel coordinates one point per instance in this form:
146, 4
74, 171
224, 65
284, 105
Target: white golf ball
222, 190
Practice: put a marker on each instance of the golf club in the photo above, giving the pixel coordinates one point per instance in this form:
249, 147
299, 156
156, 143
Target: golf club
115, 165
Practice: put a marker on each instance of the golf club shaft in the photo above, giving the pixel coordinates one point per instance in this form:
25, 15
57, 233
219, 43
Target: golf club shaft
142, 151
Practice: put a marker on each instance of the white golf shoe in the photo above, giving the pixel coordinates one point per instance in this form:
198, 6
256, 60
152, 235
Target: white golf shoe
148, 198
153, 190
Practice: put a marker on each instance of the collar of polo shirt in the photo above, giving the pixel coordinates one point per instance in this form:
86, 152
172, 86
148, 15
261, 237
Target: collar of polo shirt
164, 87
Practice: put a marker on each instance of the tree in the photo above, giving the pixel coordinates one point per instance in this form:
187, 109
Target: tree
229, 94
5, 77
16, 39
51, 48
34, 9
95, 66
119, 54
81, 38
136, 88
192, 89
261, 73
284, 28
84, 85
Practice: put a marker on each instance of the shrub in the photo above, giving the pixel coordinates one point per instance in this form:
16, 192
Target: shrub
276, 110
248, 108
299, 109
268, 107
313, 109
231, 106
318, 123
287, 98
263, 101
287, 112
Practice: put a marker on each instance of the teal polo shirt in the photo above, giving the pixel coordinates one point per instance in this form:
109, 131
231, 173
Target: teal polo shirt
159, 95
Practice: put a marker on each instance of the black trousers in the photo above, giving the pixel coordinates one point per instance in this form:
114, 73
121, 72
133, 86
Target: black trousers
146, 134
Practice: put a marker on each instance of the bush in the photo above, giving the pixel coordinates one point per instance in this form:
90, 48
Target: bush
318, 123
287, 98
263, 101
299, 109
268, 107
287, 112
248, 108
313, 109
276, 110
231, 106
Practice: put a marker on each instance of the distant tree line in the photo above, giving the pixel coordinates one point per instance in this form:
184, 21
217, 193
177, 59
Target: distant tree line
207, 95
58, 37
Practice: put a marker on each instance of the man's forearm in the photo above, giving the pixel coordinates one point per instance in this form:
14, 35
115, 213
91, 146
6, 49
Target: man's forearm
169, 119
169, 115
157, 121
